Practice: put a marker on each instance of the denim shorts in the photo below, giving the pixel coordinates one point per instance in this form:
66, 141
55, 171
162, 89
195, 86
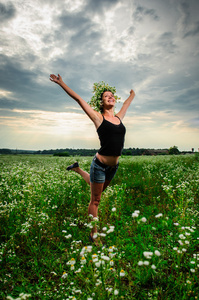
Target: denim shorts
100, 172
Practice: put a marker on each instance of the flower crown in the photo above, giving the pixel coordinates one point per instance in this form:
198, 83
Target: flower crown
98, 89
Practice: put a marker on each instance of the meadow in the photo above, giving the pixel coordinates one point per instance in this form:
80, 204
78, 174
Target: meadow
148, 224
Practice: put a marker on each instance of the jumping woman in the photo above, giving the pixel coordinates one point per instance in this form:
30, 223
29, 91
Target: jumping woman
111, 132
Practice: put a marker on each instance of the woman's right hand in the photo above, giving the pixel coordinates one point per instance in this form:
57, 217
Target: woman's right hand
56, 79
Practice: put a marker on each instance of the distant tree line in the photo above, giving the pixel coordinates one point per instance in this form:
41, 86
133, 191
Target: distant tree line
90, 152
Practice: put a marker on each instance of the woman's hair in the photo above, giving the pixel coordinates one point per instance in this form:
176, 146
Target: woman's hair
98, 91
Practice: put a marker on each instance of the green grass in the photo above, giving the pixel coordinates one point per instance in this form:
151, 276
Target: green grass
152, 234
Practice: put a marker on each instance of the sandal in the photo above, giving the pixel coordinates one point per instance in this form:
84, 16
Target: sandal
75, 165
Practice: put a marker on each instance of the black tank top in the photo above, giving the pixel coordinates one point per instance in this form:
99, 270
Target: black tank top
111, 138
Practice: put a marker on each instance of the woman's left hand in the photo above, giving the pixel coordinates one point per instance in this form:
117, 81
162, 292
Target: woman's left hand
56, 79
132, 93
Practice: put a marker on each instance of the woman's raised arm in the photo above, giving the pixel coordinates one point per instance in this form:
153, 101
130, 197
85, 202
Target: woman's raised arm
93, 115
126, 105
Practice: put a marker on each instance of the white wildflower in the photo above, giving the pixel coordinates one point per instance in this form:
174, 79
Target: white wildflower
64, 275
148, 254
83, 260
157, 253
122, 273
68, 236
73, 224
135, 215
182, 237
104, 257
187, 233
94, 257
111, 263
143, 219
78, 270
72, 267
98, 263
89, 248
110, 230
159, 215
71, 262
102, 234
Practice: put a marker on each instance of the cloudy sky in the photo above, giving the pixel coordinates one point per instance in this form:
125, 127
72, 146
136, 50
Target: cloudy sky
149, 46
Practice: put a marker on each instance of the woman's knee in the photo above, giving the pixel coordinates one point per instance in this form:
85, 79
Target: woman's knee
96, 192
95, 199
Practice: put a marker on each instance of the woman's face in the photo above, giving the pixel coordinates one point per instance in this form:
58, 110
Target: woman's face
108, 99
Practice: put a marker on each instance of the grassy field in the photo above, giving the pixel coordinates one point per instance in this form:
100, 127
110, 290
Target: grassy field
148, 222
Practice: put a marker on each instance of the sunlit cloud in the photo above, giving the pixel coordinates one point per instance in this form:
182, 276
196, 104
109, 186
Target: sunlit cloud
6, 94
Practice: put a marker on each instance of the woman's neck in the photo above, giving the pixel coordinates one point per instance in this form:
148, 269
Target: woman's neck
108, 113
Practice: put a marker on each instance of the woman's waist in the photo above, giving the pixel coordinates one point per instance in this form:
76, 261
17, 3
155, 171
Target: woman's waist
108, 160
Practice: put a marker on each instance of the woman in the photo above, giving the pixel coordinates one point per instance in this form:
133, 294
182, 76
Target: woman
111, 133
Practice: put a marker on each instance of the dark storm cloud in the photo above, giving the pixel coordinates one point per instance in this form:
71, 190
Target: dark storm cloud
184, 8
84, 31
26, 92
192, 32
151, 13
14, 75
188, 9
183, 102
166, 41
188, 101
7, 12
131, 30
74, 21
142, 11
80, 28
100, 6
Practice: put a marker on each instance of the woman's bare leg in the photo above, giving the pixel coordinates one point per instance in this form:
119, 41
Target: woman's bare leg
85, 175
96, 192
